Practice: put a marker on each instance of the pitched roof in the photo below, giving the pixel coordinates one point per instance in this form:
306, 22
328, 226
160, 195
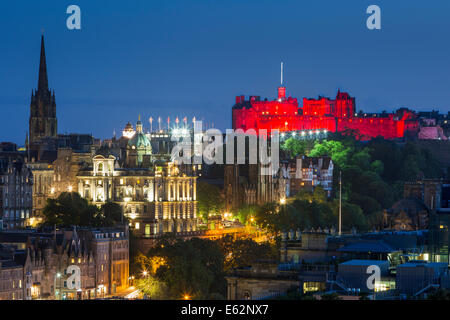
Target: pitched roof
367, 246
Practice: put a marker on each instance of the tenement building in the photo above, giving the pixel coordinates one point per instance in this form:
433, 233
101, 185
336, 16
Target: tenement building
11, 278
16, 182
40, 265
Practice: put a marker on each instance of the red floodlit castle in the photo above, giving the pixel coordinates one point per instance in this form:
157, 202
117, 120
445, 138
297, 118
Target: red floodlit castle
337, 115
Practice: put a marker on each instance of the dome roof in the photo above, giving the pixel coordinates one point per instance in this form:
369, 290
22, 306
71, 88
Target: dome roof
139, 140
129, 126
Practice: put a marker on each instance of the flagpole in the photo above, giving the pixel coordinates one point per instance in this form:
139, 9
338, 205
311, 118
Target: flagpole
340, 202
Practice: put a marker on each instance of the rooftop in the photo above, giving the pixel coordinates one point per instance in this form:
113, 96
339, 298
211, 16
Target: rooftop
364, 262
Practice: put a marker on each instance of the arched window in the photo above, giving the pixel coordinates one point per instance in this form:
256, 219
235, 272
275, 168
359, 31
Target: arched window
246, 295
100, 167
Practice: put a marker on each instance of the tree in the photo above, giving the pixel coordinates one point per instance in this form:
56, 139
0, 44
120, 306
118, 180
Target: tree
151, 287
193, 267
70, 209
210, 200
267, 217
112, 214
245, 213
335, 149
300, 214
296, 147
244, 252
352, 216
318, 195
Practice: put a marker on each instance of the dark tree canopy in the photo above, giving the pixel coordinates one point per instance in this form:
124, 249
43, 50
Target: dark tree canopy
210, 200
69, 209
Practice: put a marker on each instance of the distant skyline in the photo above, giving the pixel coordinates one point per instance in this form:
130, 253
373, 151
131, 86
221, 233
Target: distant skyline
191, 58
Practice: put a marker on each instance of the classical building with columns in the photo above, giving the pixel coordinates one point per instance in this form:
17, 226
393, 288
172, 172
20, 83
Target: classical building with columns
157, 196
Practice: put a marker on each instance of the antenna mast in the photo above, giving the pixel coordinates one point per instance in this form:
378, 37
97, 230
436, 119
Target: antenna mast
340, 202
281, 73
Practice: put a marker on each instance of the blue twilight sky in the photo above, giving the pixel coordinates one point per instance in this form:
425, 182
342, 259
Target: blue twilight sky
192, 57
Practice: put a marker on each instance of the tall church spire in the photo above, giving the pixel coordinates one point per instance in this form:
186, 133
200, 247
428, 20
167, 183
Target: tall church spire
43, 122
43, 80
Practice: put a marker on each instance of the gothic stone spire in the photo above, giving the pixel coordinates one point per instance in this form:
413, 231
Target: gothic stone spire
43, 80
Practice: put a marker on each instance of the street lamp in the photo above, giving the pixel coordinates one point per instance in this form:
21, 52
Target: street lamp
282, 200
145, 273
58, 275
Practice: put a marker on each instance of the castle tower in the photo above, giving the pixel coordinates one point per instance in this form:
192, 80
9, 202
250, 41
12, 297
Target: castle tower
43, 122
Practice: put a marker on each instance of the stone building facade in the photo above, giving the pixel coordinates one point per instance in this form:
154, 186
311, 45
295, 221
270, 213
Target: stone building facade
42, 188
11, 280
16, 182
245, 185
310, 172
45, 259
157, 199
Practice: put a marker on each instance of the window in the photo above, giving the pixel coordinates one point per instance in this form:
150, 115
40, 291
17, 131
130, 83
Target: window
136, 225
247, 295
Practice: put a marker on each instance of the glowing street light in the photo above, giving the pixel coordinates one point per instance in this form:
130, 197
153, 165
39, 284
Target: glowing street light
186, 297
283, 200
145, 273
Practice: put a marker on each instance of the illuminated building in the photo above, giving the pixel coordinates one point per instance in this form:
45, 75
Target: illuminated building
310, 172
316, 115
102, 254
128, 132
11, 280
16, 183
139, 148
157, 195
42, 188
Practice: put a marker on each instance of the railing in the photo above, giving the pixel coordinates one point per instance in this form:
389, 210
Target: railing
424, 289
269, 296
